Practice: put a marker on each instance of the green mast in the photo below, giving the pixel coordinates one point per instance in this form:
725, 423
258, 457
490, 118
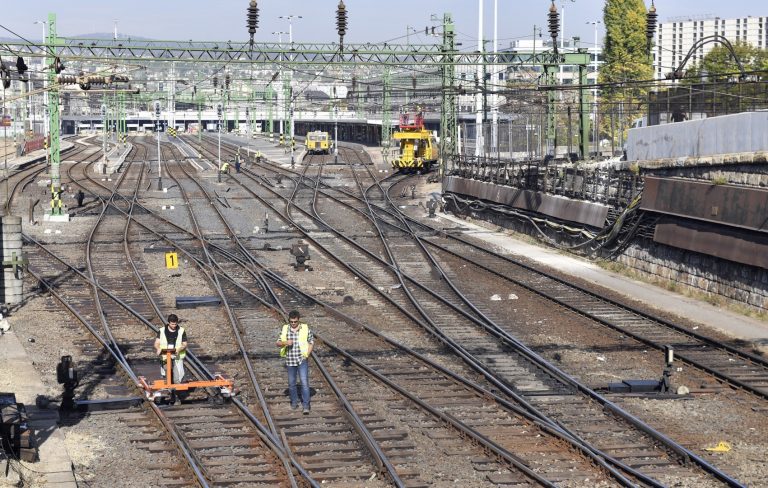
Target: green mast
448, 127
54, 117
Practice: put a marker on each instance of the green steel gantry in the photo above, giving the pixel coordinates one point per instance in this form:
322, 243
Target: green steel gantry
384, 58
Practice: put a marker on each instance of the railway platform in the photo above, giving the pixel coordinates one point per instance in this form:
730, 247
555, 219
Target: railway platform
19, 375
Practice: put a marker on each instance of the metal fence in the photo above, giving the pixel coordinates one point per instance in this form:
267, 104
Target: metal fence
704, 100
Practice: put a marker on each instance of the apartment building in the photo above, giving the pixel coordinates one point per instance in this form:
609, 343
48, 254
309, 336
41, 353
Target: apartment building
676, 37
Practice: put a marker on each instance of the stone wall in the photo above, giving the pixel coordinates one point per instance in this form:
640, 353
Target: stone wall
683, 269
699, 272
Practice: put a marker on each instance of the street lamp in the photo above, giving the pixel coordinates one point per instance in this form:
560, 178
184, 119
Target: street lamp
594, 91
279, 38
562, 35
408, 30
290, 18
279, 35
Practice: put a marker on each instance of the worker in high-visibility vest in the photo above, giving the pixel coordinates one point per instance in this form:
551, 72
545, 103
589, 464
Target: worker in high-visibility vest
225, 167
172, 337
295, 342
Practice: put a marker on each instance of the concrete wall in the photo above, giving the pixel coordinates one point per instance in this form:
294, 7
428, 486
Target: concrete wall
738, 133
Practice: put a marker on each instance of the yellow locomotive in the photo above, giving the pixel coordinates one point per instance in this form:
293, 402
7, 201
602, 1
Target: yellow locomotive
418, 149
317, 142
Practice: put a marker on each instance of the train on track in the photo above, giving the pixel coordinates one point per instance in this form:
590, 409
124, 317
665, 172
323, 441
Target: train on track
318, 142
417, 146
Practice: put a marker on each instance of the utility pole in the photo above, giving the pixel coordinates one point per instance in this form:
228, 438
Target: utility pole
595, 130
157, 132
479, 142
335, 128
104, 136
494, 81
218, 113
54, 68
449, 139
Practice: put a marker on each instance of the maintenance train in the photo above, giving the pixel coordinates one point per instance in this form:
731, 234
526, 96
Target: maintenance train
317, 142
417, 145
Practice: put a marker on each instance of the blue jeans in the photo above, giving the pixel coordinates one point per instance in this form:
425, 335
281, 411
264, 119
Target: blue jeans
303, 372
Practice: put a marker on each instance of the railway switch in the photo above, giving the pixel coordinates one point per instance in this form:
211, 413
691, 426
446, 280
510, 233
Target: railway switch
664, 385
66, 375
432, 207
666, 378
300, 251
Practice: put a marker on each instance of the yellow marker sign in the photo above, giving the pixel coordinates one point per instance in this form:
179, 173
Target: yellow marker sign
722, 446
171, 260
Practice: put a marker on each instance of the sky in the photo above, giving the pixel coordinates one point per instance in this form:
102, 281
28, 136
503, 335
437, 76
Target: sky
374, 21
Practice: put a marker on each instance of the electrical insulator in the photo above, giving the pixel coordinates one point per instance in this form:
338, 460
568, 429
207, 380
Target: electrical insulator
554, 23
157, 109
215, 82
194, 90
67, 79
675, 75
5, 73
58, 66
274, 76
354, 83
21, 66
341, 21
650, 25
413, 81
218, 110
227, 81
253, 19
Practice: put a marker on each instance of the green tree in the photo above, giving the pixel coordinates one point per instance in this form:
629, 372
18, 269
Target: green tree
626, 61
719, 62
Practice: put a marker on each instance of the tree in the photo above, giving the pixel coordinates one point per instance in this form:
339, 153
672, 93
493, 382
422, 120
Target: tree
626, 61
719, 62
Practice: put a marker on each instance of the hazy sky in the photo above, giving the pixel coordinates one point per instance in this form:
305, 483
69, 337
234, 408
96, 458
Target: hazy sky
369, 20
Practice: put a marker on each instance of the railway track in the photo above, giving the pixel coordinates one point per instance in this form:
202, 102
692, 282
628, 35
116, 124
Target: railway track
662, 457
217, 440
382, 404
475, 414
626, 454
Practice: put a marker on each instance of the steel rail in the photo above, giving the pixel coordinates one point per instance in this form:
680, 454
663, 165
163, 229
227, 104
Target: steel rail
680, 451
450, 343
375, 450
262, 431
265, 303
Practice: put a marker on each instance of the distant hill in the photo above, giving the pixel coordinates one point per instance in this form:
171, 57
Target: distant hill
97, 35
110, 35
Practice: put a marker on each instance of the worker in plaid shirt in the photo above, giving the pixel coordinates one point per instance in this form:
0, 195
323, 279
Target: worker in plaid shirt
295, 343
